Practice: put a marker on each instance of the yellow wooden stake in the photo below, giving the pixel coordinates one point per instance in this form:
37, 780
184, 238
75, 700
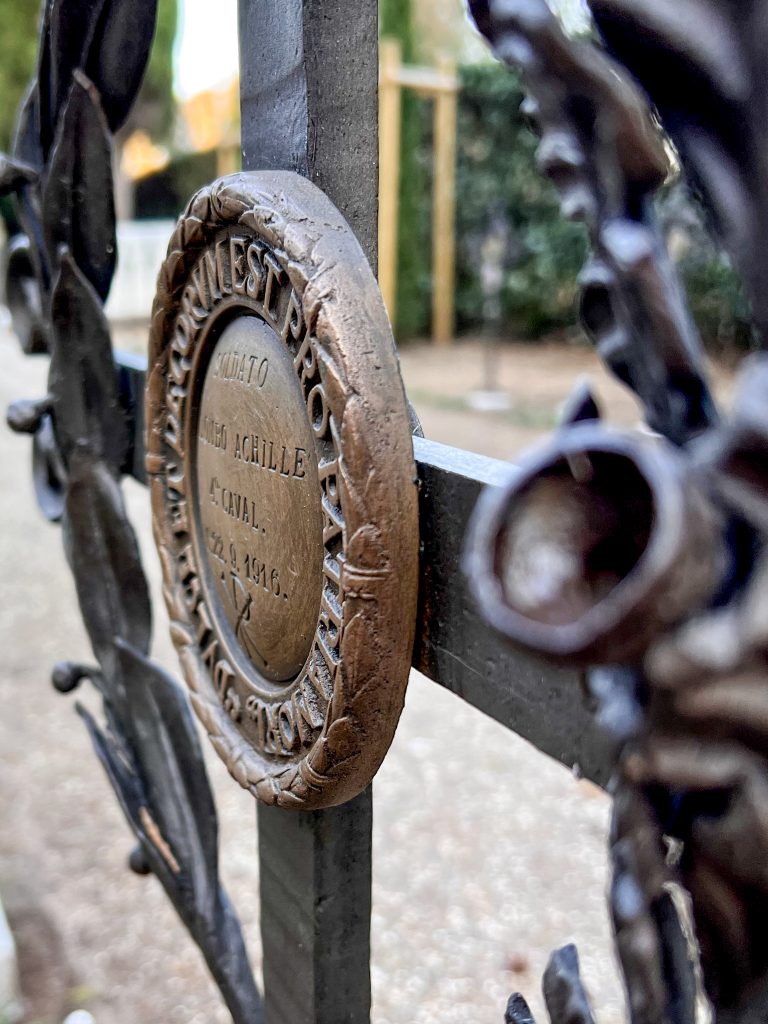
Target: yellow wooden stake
389, 170
441, 85
443, 210
227, 159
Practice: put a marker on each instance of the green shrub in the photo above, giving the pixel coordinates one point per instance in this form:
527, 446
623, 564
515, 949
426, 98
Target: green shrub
715, 293
411, 317
497, 179
498, 183
719, 305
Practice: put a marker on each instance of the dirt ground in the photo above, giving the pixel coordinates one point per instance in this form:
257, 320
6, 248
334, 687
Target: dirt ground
487, 854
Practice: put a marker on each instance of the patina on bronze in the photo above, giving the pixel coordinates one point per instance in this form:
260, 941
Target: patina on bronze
258, 523
283, 488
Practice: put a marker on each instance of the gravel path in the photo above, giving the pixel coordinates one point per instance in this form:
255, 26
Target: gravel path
487, 854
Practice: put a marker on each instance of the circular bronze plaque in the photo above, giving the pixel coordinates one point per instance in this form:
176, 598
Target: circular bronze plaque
283, 488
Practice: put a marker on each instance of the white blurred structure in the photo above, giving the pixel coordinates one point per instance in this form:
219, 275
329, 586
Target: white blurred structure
10, 1006
574, 13
141, 248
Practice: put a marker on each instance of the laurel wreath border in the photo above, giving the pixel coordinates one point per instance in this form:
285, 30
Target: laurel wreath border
360, 375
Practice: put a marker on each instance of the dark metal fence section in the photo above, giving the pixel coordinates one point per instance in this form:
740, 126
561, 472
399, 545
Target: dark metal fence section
454, 647
671, 531
315, 911
309, 99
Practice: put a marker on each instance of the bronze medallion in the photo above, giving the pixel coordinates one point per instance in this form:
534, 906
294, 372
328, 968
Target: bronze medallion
283, 488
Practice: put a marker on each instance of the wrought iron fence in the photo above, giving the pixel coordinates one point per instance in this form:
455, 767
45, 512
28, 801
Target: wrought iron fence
636, 561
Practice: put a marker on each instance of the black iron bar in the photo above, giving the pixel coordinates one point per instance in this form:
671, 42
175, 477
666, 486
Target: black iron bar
309, 103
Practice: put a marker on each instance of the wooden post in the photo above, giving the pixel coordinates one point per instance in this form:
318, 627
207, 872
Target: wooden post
441, 86
226, 159
390, 125
443, 210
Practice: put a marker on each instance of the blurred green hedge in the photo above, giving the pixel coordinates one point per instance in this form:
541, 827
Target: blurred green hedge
715, 293
166, 192
499, 190
496, 182
498, 186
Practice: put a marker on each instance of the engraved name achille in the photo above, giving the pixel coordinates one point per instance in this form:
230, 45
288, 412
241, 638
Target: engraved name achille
241, 265
282, 460
259, 452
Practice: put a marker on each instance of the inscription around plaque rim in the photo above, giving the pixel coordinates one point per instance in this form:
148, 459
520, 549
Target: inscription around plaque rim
270, 246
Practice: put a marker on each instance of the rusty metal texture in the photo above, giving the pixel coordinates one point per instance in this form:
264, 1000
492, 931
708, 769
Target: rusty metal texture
643, 556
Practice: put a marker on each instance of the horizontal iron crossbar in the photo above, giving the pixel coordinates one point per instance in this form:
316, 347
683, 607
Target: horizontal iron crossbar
454, 647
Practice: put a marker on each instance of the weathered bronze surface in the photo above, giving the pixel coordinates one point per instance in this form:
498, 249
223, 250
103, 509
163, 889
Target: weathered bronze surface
603, 539
258, 525
283, 486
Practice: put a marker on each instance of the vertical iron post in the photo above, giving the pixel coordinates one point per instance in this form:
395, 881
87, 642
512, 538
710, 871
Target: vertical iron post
308, 74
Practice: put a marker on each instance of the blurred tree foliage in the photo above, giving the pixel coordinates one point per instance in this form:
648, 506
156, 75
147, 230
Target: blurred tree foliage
502, 199
412, 314
18, 50
499, 193
499, 190
717, 299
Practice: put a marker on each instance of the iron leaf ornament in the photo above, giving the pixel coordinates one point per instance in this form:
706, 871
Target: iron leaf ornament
642, 558
601, 148
92, 57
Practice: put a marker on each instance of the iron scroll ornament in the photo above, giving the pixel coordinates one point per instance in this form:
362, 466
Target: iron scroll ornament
643, 558
266, 256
